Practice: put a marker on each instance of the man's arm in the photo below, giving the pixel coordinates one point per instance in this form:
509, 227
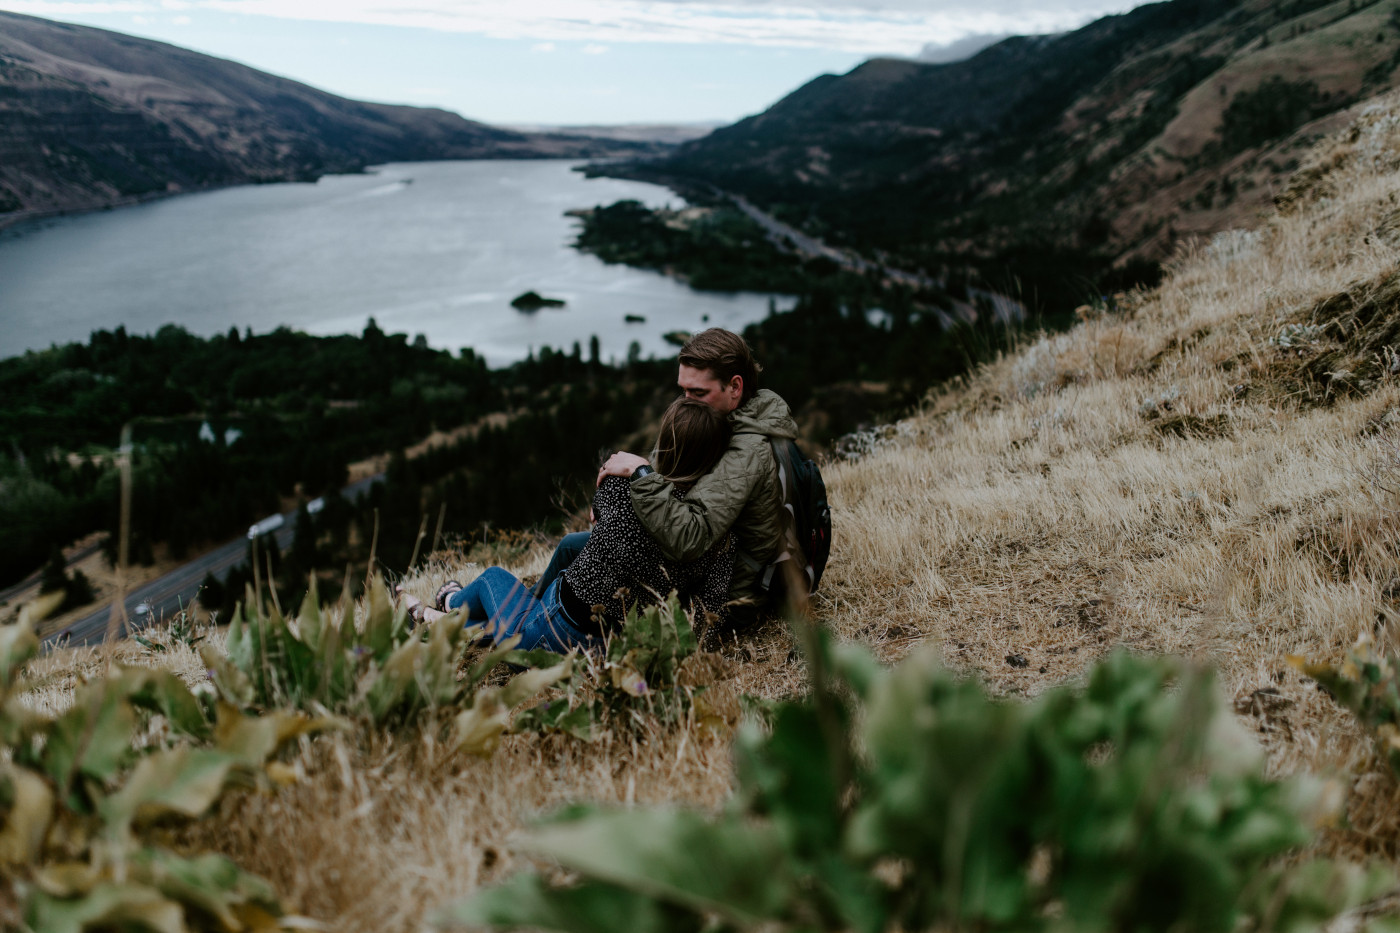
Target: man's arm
686, 528
620, 464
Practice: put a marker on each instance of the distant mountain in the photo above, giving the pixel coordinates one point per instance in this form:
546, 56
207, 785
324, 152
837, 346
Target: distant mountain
668, 134
90, 117
1059, 154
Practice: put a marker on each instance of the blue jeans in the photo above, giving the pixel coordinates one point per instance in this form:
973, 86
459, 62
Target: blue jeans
568, 548
499, 601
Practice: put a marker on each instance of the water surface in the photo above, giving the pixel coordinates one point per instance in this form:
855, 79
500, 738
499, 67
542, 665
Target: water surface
433, 248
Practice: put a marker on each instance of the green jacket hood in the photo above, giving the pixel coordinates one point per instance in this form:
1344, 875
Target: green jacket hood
765, 413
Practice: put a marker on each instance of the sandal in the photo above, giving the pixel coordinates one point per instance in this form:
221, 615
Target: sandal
444, 593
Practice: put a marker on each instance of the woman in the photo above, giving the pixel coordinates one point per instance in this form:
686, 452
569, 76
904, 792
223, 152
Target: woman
621, 566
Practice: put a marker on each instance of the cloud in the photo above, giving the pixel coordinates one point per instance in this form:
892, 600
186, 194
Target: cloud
182, 20
542, 47
872, 27
595, 49
958, 49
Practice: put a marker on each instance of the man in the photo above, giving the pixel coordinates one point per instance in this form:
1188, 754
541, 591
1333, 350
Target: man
740, 494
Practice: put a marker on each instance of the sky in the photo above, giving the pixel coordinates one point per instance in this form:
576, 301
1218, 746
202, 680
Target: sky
572, 62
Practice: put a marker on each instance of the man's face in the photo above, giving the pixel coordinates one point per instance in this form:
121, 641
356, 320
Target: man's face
703, 385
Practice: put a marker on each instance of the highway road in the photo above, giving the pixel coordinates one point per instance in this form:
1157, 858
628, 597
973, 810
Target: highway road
788, 238
166, 595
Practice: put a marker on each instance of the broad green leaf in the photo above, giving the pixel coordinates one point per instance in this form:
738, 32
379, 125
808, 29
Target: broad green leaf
557, 716
535, 657
233, 685
528, 683
241, 642
527, 901
733, 869
857, 668
385, 623
310, 623
211, 883
500, 652
478, 730
27, 818
165, 693
254, 739
395, 685
67, 879
18, 644
93, 738
419, 673
107, 906
18, 724
181, 781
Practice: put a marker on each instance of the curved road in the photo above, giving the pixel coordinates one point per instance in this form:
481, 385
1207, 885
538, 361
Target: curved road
168, 594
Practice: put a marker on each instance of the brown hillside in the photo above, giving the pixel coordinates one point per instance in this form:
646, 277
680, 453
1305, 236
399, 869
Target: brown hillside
90, 117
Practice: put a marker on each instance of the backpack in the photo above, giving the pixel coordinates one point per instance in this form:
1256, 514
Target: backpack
808, 522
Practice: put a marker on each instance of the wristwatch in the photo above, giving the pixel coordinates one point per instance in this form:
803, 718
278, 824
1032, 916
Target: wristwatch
641, 471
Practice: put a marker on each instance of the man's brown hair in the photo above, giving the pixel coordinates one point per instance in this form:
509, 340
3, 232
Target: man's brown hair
725, 354
693, 437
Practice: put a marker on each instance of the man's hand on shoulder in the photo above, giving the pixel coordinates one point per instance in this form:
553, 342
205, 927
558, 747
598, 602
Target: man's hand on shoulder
620, 464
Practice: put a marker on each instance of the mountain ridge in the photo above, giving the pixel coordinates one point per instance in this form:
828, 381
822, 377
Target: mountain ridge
1101, 148
92, 118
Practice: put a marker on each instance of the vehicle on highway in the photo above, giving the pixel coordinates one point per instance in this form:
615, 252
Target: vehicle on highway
271, 523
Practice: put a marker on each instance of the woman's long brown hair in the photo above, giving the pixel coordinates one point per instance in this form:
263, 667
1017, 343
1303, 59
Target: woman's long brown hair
693, 437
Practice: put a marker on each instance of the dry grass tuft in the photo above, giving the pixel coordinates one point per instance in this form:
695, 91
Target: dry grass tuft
1211, 471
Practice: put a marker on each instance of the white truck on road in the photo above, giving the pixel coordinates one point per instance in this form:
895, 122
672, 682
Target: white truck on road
271, 523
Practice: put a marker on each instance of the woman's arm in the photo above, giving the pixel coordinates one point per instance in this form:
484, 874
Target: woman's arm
610, 496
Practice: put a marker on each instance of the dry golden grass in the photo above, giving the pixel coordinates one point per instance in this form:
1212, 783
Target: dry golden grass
1168, 479
1162, 478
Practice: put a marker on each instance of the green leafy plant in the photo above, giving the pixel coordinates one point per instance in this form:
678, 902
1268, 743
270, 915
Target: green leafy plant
908, 799
1368, 684
181, 630
383, 671
84, 794
640, 679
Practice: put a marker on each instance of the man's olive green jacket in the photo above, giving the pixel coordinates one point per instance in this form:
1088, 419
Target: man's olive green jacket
740, 494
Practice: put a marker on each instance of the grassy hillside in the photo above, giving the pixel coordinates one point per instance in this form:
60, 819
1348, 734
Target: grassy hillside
1211, 468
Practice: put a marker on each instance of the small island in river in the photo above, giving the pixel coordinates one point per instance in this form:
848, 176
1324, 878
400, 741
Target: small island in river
533, 301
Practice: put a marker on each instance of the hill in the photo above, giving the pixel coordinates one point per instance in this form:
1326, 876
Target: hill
90, 117
1207, 468
1101, 147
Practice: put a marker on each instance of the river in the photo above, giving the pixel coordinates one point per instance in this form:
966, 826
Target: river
431, 248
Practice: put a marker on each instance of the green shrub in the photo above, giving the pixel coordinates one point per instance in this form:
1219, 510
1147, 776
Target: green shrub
382, 671
84, 797
1368, 684
908, 799
638, 681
